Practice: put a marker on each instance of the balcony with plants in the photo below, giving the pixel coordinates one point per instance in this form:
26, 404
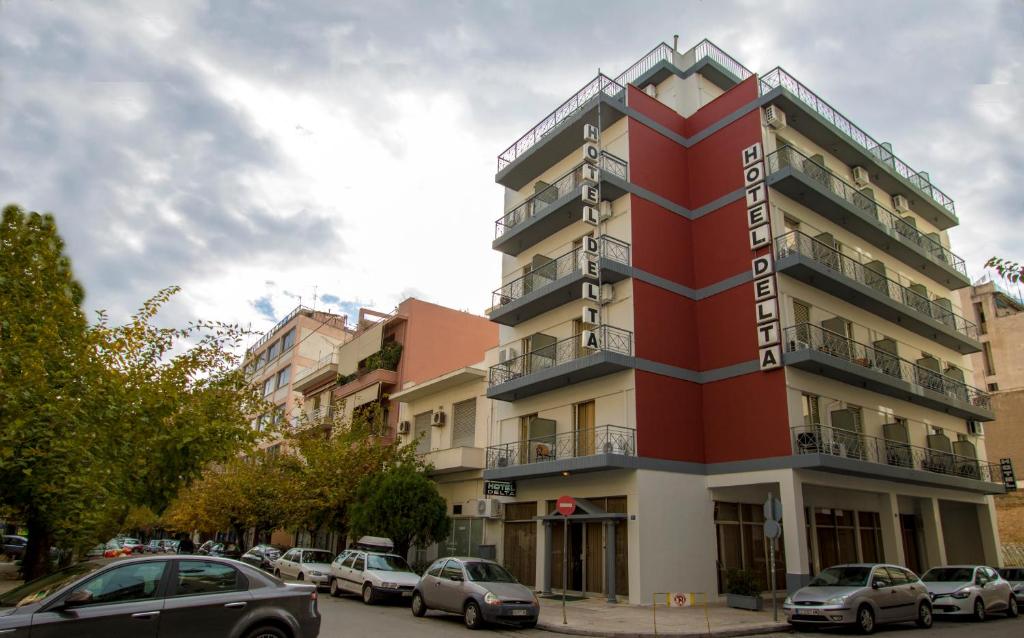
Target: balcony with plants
379, 367
880, 369
826, 126
599, 447
806, 180
557, 363
554, 282
870, 286
557, 205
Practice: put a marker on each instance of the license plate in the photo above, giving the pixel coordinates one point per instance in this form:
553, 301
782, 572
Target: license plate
407, 594
519, 612
813, 612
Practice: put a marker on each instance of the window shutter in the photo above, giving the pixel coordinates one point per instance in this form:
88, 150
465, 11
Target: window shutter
464, 424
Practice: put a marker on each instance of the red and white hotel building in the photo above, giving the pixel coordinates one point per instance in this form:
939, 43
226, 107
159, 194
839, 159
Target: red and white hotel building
716, 287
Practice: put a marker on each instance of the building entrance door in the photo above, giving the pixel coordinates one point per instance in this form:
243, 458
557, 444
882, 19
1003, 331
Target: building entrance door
908, 529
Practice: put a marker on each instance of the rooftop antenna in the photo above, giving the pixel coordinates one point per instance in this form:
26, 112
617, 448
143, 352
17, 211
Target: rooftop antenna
675, 42
314, 296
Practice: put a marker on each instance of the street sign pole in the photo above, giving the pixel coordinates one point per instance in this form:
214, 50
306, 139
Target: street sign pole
565, 566
772, 531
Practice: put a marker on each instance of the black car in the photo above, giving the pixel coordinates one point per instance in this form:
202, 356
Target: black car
262, 556
160, 597
14, 546
225, 550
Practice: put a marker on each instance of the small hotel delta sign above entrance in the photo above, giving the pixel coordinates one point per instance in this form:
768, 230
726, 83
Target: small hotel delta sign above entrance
769, 331
499, 488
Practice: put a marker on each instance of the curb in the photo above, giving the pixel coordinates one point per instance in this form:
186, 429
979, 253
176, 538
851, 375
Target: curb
752, 630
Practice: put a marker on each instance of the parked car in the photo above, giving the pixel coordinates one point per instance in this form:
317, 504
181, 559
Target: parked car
122, 599
373, 575
1014, 576
304, 563
262, 556
96, 552
225, 550
969, 590
482, 591
155, 546
133, 545
862, 595
170, 545
14, 546
204, 549
113, 549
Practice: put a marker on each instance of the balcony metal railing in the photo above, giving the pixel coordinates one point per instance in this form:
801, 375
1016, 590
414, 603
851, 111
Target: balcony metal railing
323, 362
561, 186
321, 415
822, 439
787, 156
807, 336
563, 266
796, 242
779, 77
707, 49
603, 439
610, 338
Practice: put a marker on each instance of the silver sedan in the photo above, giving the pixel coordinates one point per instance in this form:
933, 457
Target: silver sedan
481, 590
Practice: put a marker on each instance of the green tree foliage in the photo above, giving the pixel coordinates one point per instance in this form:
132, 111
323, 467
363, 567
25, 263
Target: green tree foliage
140, 520
1011, 271
402, 504
97, 418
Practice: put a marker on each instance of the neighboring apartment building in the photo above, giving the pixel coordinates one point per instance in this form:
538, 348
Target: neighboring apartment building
297, 342
716, 288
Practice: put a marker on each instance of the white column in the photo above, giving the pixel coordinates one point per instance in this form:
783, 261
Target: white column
934, 541
892, 537
989, 533
794, 527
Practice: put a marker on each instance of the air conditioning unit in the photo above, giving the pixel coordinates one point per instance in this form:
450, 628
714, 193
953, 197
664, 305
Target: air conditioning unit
404, 427
507, 354
488, 508
604, 210
774, 117
860, 176
900, 203
975, 428
651, 90
437, 418
607, 293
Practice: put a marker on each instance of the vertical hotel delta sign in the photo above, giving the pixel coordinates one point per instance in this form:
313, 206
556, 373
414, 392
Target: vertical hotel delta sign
766, 308
591, 195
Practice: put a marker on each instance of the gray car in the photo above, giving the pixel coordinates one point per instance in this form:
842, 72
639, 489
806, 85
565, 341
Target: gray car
160, 597
862, 595
482, 591
1014, 576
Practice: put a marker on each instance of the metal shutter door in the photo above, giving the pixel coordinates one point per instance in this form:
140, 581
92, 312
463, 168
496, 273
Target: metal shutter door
464, 424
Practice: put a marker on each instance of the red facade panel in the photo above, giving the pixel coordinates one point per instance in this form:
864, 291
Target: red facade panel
666, 329
725, 104
668, 414
745, 417
715, 164
662, 242
656, 163
725, 323
721, 249
652, 108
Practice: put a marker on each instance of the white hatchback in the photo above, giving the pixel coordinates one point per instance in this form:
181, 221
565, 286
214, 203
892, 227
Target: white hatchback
372, 575
969, 590
305, 564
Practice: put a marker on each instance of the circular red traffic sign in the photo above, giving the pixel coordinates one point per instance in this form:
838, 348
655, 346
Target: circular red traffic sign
565, 505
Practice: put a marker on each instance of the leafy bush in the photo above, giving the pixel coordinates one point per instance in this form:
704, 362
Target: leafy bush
741, 582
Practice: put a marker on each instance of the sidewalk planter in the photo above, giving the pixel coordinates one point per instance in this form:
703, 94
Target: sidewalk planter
739, 601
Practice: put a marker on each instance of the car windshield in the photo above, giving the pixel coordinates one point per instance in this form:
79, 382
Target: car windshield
948, 575
131, 541
314, 556
854, 576
387, 563
488, 573
40, 588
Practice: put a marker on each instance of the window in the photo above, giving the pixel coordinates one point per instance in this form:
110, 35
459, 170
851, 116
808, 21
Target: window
359, 564
421, 432
351, 558
261, 360
993, 387
870, 536
435, 569
741, 543
198, 577
464, 424
124, 584
274, 450
979, 312
274, 351
278, 415
990, 366
811, 414
452, 571
897, 576
250, 367
268, 386
283, 376
288, 340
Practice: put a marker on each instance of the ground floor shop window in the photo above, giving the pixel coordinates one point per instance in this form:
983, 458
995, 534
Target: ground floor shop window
837, 536
742, 545
520, 541
465, 538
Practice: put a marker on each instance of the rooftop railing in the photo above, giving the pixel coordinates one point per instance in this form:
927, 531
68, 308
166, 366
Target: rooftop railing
602, 439
559, 188
707, 49
787, 156
822, 439
796, 242
807, 336
563, 266
611, 339
778, 77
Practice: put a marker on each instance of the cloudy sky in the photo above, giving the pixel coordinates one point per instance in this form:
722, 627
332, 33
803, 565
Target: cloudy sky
261, 153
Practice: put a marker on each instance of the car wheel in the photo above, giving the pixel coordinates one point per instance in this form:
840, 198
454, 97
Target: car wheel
1012, 610
865, 620
369, 596
472, 616
979, 610
335, 589
924, 616
419, 608
266, 631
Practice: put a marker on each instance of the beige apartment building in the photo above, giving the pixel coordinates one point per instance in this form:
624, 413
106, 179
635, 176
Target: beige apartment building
285, 352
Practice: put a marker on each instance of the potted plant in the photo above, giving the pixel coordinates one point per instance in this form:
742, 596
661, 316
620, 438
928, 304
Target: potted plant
742, 591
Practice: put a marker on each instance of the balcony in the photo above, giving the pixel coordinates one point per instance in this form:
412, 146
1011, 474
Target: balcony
824, 125
847, 452
600, 448
819, 351
556, 206
561, 364
807, 181
456, 459
324, 371
557, 282
819, 264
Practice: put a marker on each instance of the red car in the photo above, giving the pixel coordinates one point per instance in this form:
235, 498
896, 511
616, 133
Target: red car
132, 545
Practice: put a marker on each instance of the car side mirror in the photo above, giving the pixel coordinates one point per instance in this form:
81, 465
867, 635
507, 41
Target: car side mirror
78, 598
876, 584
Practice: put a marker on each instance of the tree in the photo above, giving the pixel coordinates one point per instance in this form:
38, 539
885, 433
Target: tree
402, 504
140, 519
96, 418
1011, 271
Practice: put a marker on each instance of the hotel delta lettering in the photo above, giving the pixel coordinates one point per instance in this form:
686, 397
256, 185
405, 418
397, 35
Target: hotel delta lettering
769, 330
591, 196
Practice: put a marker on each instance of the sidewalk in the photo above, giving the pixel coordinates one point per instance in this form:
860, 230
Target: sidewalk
9, 578
595, 617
